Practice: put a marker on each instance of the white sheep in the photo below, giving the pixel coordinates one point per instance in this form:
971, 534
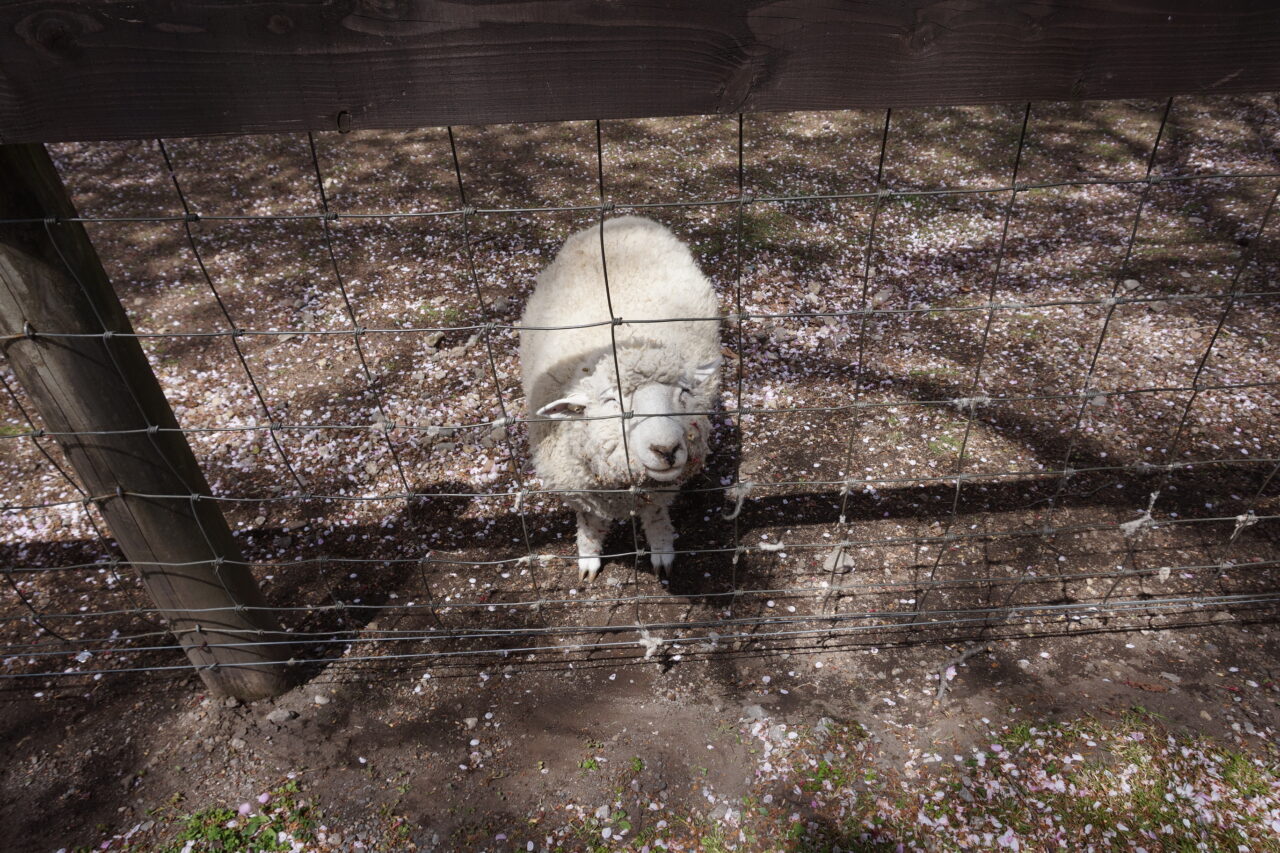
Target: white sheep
667, 369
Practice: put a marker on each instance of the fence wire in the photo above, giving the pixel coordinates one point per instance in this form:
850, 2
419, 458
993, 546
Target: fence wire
846, 560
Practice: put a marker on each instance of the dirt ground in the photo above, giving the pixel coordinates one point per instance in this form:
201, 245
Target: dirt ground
1024, 382
477, 755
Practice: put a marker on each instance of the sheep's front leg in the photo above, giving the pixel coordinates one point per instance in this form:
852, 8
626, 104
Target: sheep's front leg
662, 537
592, 530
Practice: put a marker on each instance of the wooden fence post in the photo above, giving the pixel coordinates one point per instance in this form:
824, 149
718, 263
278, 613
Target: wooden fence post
51, 280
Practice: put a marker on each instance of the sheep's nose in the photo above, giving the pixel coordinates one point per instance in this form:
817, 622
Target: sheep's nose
667, 453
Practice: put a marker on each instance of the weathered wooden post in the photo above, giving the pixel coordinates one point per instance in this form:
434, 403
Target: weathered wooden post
102, 387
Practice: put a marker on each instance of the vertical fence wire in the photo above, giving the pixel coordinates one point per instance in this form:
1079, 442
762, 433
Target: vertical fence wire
357, 331
627, 412
1110, 305
971, 402
841, 554
494, 375
1233, 290
188, 218
739, 420
1246, 257
1146, 517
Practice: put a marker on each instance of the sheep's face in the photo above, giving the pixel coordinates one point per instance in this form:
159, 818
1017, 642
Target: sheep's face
666, 437
660, 434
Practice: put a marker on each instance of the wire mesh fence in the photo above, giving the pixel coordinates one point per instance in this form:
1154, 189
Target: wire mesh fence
988, 372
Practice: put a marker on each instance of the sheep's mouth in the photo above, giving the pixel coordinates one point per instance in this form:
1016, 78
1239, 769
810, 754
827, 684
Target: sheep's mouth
664, 475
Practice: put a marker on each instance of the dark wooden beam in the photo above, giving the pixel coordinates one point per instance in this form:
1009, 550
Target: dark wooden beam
118, 69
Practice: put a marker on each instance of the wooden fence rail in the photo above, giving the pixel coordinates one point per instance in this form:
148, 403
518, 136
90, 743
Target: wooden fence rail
128, 69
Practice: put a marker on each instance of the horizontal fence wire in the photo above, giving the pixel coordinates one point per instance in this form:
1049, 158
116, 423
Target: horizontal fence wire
817, 579
1108, 302
620, 206
870, 621
737, 593
767, 547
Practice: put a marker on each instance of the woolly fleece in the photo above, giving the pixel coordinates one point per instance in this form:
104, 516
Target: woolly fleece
651, 276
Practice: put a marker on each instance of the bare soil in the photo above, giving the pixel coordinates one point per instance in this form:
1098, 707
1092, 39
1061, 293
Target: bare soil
84, 767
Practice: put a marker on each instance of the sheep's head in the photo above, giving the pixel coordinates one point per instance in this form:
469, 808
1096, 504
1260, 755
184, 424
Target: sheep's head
666, 438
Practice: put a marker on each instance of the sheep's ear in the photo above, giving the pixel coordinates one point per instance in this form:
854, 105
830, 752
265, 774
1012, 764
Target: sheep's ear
703, 372
566, 407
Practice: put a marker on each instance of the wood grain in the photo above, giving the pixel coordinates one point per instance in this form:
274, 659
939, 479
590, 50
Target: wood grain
120, 69
93, 384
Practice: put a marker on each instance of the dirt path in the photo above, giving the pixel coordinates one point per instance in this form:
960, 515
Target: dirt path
465, 758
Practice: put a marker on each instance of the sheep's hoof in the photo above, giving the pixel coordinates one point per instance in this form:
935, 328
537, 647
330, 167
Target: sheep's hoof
588, 568
662, 562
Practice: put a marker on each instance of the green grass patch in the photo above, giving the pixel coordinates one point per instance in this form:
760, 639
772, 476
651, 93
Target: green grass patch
944, 444
1110, 784
439, 315
221, 829
1248, 779
765, 225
